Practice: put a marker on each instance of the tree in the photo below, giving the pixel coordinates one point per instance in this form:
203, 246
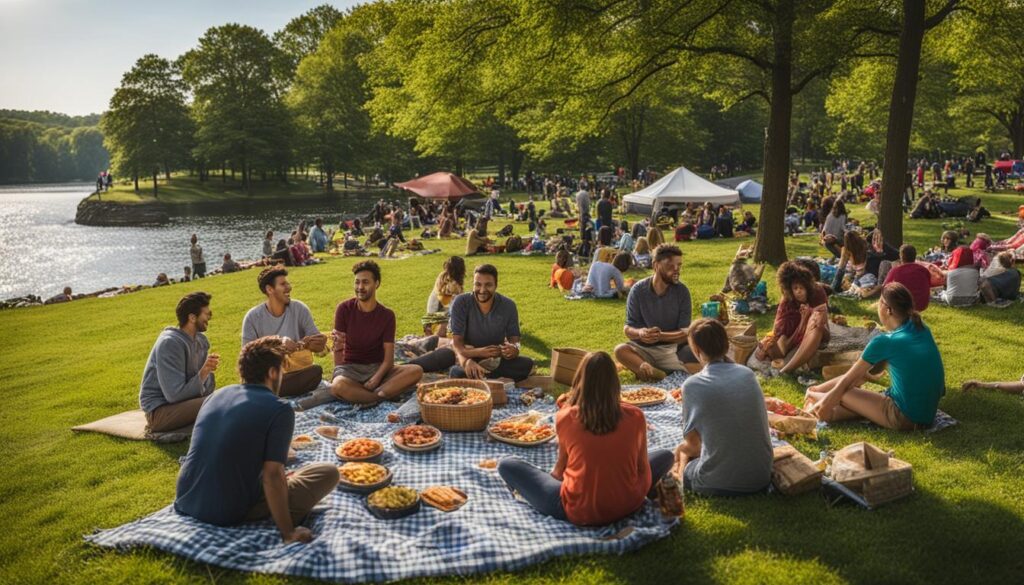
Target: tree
147, 128
327, 100
302, 35
984, 48
237, 104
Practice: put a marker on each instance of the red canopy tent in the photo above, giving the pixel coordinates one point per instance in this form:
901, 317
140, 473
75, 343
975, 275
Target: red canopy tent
440, 185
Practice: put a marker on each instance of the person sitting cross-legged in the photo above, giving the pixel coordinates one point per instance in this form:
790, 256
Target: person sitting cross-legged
603, 472
485, 335
364, 345
726, 448
292, 320
658, 312
179, 373
234, 469
801, 321
915, 368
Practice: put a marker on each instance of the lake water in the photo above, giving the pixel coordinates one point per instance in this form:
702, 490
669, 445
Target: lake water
44, 250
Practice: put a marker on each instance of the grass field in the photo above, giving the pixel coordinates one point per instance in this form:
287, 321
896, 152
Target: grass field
68, 364
185, 189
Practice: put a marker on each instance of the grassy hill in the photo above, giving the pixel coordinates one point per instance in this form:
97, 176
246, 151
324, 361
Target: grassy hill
68, 364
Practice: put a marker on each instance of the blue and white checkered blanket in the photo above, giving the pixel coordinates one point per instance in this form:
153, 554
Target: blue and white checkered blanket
493, 531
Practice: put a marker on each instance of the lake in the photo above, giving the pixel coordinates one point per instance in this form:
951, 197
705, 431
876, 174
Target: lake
44, 250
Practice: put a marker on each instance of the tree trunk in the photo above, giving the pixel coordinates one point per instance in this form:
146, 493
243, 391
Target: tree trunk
501, 166
901, 118
458, 167
167, 172
632, 135
771, 240
136, 178
516, 165
329, 172
1016, 131
156, 174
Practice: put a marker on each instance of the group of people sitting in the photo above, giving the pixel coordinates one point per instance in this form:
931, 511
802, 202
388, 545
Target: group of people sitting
698, 223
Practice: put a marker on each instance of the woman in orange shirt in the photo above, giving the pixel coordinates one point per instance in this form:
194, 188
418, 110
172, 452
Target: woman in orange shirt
562, 273
603, 472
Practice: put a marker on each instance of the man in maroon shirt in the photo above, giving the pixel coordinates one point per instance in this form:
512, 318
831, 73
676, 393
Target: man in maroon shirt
912, 275
364, 345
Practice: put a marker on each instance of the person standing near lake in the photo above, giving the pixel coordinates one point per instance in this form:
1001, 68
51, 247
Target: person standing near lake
292, 320
179, 374
268, 244
317, 236
198, 261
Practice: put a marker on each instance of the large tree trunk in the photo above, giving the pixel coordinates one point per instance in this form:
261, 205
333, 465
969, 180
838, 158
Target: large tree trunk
329, 172
156, 174
632, 134
901, 118
136, 178
771, 240
1015, 129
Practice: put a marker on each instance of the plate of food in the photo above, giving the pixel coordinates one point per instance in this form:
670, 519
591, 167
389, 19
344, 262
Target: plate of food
393, 502
644, 396
328, 432
525, 430
444, 498
455, 395
361, 449
303, 442
359, 477
417, 438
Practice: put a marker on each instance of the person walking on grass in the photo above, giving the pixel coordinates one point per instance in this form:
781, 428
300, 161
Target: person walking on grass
364, 345
292, 320
179, 373
915, 368
658, 312
234, 470
198, 261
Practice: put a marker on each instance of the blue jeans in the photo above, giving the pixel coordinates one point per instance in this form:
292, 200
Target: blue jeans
544, 492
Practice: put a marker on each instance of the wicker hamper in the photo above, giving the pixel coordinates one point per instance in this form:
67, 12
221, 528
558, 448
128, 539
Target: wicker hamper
872, 473
454, 417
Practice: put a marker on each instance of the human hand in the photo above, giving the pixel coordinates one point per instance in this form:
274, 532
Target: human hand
509, 351
493, 351
210, 366
474, 370
372, 383
299, 534
805, 311
315, 343
290, 345
825, 407
650, 334
971, 385
339, 340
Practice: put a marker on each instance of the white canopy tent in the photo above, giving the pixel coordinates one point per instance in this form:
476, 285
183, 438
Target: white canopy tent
750, 191
680, 186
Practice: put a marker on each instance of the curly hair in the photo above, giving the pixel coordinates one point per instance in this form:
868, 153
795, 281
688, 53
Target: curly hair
791, 274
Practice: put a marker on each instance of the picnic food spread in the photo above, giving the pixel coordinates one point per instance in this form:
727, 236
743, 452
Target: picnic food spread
523, 429
359, 449
416, 436
444, 498
363, 473
455, 396
328, 432
781, 407
303, 442
644, 396
393, 498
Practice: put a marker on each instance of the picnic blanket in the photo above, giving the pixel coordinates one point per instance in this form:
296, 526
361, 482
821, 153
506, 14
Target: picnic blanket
132, 425
493, 531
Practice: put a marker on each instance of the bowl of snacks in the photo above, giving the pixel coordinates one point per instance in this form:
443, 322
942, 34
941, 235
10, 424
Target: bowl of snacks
303, 442
361, 449
328, 432
525, 430
417, 438
393, 502
363, 478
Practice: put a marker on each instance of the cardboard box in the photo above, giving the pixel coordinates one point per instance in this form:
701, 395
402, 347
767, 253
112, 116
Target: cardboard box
794, 473
564, 363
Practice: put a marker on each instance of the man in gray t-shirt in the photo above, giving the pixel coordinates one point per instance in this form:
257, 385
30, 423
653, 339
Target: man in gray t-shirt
292, 320
485, 335
658, 312
724, 406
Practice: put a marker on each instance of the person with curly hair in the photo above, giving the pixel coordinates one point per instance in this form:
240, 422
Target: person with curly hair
801, 322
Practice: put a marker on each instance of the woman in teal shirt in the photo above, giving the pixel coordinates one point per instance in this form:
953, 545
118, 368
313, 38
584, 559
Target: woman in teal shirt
915, 368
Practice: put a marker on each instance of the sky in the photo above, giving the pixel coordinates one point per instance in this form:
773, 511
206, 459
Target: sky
68, 56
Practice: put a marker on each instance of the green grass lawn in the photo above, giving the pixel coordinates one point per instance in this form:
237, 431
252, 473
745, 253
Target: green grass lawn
185, 189
68, 364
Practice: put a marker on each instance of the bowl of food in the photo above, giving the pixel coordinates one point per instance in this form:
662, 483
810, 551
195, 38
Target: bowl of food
361, 449
417, 438
525, 430
645, 396
458, 405
328, 432
363, 478
303, 442
393, 502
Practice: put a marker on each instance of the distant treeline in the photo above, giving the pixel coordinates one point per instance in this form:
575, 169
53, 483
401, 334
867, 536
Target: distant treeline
47, 147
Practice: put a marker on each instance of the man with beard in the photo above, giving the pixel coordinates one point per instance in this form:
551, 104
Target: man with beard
485, 335
178, 375
292, 321
234, 470
657, 317
364, 345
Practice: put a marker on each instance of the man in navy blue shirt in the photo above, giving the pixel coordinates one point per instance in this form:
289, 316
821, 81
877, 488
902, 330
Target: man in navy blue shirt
234, 470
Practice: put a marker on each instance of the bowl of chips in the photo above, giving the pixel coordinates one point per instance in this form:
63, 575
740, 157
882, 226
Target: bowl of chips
361, 449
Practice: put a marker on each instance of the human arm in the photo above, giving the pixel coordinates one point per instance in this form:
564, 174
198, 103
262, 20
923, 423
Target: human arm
383, 369
172, 375
685, 451
834, 396
1008, 387
563, 459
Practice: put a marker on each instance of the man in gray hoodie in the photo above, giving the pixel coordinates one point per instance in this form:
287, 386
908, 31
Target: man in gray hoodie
179, 372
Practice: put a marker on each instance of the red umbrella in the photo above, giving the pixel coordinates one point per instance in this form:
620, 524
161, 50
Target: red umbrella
440, 185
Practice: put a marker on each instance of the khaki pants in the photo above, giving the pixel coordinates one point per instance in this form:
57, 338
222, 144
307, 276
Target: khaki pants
306, 487
665, 357
299, 382
170, 417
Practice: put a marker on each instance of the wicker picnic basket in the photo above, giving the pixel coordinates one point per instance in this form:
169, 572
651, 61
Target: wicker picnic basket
872, 473
456, 417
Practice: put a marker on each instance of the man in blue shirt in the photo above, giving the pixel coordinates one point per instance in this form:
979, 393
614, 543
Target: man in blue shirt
234, 470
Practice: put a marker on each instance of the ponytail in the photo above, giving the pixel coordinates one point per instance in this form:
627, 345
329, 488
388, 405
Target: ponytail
899, 299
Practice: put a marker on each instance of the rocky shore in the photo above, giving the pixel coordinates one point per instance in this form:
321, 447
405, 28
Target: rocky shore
109, 213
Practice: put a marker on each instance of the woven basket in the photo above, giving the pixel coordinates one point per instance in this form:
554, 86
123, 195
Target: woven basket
892, 483
455, 417
741, 347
